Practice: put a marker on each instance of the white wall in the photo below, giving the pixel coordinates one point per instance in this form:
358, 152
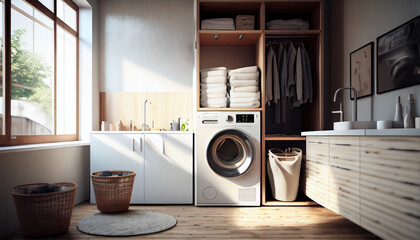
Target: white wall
146, 45
355, 23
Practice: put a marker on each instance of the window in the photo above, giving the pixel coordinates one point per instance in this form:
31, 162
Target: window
39, 71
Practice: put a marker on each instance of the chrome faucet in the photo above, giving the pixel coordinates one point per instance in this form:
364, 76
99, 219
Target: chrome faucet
340, 112
144, 125
354, 117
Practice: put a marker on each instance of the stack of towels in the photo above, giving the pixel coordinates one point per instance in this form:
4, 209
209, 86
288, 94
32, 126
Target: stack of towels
291, 24
213, 88
245, 22
218, 24
244, 84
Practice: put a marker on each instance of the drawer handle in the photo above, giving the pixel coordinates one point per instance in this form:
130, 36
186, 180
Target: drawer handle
141, 144
132, 145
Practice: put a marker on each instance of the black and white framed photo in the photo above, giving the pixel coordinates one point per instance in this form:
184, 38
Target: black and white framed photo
398, 57
361, 70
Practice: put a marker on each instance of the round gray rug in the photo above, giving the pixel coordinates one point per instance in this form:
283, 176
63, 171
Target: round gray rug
128, 223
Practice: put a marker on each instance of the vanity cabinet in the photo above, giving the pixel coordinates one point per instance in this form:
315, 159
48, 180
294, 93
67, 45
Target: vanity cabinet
390, 186
344, 177
371, 180
163, 163
316, 176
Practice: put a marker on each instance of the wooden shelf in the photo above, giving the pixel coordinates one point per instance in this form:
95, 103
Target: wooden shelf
294, 203
229, 38
292, 33
229, 109
279, 137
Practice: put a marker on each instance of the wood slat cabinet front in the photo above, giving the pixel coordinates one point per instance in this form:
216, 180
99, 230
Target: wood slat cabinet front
344, 176
317, 169
372, 181
390, 186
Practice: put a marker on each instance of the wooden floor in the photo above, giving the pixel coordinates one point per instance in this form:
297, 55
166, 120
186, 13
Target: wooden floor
313, 222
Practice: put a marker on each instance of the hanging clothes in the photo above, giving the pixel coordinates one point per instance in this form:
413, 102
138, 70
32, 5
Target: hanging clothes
291, 78
288, 79
272, 78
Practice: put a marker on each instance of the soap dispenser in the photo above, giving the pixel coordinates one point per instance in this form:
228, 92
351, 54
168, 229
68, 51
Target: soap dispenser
398, 119
408, 119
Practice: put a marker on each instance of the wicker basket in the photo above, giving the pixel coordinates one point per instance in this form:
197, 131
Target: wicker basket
44, 214
113, 193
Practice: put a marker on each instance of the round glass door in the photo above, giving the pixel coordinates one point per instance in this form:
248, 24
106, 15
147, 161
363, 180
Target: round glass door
230, 153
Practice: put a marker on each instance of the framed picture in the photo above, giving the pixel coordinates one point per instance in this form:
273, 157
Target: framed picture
398, 57
361, 70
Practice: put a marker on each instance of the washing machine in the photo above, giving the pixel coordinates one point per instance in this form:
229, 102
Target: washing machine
228, 159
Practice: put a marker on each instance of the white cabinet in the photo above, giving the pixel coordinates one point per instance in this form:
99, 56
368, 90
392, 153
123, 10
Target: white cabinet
115, 151
168, 176
163, 163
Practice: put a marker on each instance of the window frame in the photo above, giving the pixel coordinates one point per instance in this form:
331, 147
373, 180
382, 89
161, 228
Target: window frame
8, 139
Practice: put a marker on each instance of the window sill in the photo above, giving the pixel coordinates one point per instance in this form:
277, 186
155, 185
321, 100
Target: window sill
43, 146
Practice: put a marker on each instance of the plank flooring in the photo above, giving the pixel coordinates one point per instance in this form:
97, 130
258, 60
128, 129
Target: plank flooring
310, 222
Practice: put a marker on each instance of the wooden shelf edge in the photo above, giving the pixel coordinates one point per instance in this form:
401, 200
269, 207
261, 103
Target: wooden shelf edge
229, 109
293, 204
230, 31
284, 138
292, 32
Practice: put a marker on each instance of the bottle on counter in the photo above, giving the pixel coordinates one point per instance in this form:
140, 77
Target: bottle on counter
398, 119
408, 119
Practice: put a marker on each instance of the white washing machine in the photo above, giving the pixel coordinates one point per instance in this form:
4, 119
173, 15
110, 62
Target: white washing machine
228, 159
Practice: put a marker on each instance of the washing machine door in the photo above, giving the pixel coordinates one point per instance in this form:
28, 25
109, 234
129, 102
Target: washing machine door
230, 153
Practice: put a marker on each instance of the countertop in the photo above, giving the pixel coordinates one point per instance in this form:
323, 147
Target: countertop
144, 132
366, 132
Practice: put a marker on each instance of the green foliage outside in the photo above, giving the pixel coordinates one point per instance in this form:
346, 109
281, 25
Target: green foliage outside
28, 74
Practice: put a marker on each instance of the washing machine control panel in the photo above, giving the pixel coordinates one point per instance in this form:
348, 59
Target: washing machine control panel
244, 118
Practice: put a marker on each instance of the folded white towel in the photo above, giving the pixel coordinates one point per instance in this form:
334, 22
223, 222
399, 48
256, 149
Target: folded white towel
251, 89
213, 79
244, 76
212, 96
213, 73
253, 104
220, 105
212, 69
244, 100
243, 83
211, 85
215, 100
218, 24
218, 20
250, 69
255, 95
214, 90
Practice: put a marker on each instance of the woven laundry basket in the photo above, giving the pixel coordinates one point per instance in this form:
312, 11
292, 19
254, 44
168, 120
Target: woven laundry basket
44, 214
113, 193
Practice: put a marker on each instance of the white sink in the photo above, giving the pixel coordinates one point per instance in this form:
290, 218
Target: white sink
346, 125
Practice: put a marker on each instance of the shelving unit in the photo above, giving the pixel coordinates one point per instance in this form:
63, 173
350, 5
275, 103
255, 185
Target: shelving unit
234, 49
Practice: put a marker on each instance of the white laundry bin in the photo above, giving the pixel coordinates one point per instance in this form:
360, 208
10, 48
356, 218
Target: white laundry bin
283, 169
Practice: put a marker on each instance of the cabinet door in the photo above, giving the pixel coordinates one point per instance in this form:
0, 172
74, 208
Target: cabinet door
117, 151
168, 170
390, 186
344, 174
317, 169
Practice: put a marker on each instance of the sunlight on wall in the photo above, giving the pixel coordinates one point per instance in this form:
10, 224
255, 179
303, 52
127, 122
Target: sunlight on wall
142, 79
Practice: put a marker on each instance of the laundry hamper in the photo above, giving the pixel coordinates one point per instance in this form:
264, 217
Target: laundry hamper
113, 192
283, 169
44, 209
